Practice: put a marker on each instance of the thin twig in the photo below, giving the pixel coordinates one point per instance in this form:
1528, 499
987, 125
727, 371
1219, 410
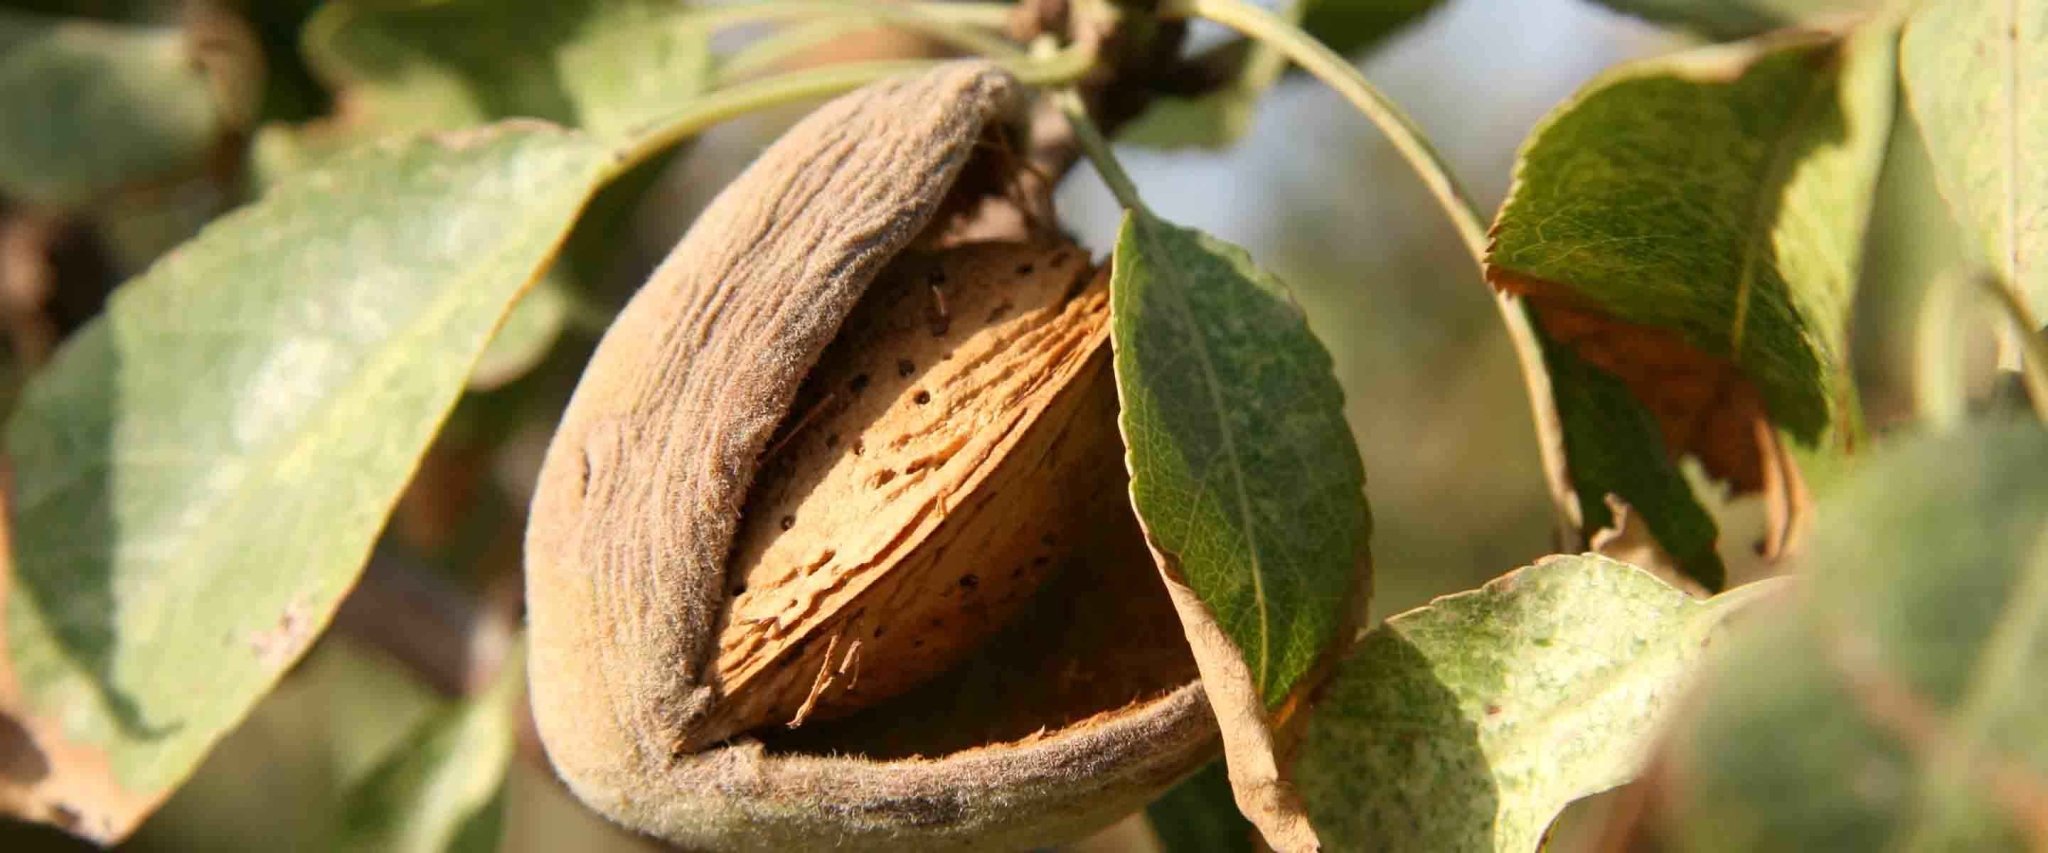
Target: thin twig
1407, 139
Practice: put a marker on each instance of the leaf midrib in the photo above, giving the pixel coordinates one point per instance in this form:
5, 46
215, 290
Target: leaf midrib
1212, 385
1769, 202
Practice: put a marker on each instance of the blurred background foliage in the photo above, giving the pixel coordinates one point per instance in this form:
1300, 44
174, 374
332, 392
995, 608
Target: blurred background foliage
1434, 395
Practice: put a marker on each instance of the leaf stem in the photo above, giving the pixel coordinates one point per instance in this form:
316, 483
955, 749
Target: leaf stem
1337, 73
725, 104
2033, 346
1096, 146
731, 102
761, 56
962, 25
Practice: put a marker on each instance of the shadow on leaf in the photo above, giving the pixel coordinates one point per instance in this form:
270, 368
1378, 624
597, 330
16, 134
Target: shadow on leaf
1416, 779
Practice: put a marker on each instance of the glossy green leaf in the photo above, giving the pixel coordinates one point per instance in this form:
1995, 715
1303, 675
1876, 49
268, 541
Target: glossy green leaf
1897, 704
87, 107
1242, 467
1470, 723
1974, 74
1199, 816
198, 475
443, 788
1733, 19
1246, 481
1690, 227
606, 66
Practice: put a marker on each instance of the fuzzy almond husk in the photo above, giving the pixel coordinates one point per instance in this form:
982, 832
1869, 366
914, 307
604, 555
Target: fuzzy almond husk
641, 492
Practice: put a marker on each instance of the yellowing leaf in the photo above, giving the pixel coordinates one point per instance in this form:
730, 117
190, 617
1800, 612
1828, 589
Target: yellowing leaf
199, 474
1470, 723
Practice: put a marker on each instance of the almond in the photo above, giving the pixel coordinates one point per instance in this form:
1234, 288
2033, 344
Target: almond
924, 484
676, 627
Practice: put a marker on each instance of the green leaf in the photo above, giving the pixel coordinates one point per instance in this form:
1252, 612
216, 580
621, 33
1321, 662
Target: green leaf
1734, 19
1354, 26
1691, 226
88, 107
1897, 704
199, 474
443, 788
607, 66
276, 781
1246, 480
1470, 723
1199, 816
1720, 195
1974, 73
1214, 121
1242, 466
289, 91
1615, 447
529, 331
